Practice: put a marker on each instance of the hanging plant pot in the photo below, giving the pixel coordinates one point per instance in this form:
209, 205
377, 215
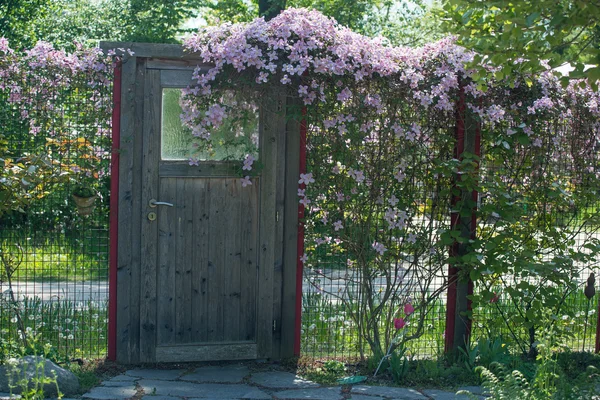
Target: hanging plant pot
85, 205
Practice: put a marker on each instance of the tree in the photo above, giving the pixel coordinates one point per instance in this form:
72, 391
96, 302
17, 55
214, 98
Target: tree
403, 22
270, 8
523, 34
16, 17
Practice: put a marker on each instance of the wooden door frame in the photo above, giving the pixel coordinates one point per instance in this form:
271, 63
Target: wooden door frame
129, 308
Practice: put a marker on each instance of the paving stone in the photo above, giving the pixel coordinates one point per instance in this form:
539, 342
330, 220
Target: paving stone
122, 378
64, 398
328, 393
148, 397
393, 392
162, 374
119, 383
201, 390
280, 380
7, 396
473, 389
110, 393
364, 397
445, 395
225, 374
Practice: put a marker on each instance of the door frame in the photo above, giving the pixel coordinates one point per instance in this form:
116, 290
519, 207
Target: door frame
131, 328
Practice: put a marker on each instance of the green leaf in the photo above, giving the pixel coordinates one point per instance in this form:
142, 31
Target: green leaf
523, 139
530, 20
593, 74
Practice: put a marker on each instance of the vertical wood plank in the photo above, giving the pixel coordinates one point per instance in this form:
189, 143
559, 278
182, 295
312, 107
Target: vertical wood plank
189, 261
183, 259
216, 260
249, 268
231, 268
167, 248
126, 172
200, 256
134, 288
270, 121
290, 236
178, 257
279, 230
149, 229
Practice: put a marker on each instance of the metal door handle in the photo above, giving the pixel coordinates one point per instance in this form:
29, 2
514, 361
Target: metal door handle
154, 203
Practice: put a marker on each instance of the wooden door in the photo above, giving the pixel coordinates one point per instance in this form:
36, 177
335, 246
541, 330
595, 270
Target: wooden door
208, 250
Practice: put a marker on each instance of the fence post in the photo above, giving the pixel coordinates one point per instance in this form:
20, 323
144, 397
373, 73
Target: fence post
597, 347
113, 216
458, 323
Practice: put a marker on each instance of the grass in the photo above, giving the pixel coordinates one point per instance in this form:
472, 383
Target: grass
79, 257
487, 321
75, 330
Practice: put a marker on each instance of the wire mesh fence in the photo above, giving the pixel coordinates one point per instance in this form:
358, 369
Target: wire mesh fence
55, 255
54, 275
551, 180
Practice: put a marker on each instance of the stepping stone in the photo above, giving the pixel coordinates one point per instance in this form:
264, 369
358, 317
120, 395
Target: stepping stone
478, 390
329, 393
119, 383
200, 390
444, 395
161, 398
396, 393
162, 374
123, 378
281, 380
226, 374
7, 396
110, 393
364, 397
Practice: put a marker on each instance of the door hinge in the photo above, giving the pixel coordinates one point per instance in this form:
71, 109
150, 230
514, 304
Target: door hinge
276, 216
274, 325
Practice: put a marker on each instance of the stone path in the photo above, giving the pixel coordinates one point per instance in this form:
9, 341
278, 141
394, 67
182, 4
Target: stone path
238, 382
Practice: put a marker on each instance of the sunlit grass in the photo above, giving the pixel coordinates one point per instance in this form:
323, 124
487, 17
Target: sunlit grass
59, 257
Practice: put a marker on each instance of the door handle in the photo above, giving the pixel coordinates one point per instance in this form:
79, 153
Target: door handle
153, 203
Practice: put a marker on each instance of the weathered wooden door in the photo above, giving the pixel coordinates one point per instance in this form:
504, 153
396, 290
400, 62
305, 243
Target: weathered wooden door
208, 244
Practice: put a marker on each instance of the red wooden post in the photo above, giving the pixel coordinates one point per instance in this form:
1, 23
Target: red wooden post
598, 329
113, 219
458, 329
300, 266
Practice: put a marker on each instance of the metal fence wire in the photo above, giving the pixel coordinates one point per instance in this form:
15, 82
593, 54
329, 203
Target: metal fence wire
54, 281
556, 162
57, 288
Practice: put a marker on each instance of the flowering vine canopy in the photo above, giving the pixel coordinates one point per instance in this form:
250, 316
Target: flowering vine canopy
381, 165
381, 179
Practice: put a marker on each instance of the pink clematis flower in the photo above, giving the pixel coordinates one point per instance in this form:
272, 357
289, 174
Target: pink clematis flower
399, 323
246, 181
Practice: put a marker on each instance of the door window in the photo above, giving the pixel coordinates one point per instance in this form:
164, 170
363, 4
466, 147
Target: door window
232, 141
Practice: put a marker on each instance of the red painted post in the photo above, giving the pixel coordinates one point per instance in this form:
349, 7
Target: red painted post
598, 329
452, 299
459, 147
300, 243
113, 219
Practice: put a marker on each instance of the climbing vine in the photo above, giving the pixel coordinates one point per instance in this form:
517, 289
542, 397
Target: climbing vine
382, 170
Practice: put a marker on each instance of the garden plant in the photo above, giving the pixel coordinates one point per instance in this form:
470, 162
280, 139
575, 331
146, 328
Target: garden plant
386, 194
